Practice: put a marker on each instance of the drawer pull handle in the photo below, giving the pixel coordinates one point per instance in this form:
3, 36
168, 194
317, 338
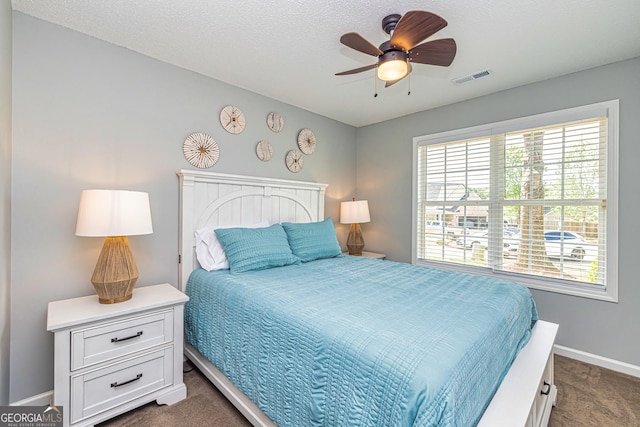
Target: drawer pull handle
115, 385
548, 386
127, 338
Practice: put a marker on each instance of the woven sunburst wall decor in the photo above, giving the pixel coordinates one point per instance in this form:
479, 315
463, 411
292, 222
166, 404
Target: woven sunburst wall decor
201, 150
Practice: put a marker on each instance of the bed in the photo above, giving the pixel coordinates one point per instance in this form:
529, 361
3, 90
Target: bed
314, 343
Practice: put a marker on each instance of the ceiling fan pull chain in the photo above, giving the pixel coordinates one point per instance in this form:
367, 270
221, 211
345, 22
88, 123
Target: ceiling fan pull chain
375, 86
409, 81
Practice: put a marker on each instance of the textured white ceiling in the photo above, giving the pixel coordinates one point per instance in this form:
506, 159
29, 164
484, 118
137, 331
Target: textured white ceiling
290, 50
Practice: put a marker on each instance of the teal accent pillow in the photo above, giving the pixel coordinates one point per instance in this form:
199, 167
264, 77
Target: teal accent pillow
313, 240
251, 249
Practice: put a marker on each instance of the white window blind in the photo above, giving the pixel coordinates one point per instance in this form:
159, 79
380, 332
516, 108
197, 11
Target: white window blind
530, 203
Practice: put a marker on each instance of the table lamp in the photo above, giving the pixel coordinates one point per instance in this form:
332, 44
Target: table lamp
355, 213
114, 215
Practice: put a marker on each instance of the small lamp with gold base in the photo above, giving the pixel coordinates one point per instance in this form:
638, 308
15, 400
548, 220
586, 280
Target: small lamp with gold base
355, 213
114, 215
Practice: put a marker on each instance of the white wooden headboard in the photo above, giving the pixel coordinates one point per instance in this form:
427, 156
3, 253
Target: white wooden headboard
215, 199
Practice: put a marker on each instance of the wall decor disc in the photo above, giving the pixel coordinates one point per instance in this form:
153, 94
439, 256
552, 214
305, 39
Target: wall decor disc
201, 150
307, 141
264, 150
275, 121
232, 119
294, 161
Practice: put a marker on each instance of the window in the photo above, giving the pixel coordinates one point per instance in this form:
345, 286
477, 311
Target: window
532, 199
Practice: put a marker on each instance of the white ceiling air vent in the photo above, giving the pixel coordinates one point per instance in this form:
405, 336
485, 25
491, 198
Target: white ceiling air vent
472, 77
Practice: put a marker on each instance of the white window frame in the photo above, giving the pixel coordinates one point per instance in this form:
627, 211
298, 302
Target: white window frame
607, 108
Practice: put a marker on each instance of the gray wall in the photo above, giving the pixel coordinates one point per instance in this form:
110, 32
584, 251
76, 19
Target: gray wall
88, 114
5, 196
603, 328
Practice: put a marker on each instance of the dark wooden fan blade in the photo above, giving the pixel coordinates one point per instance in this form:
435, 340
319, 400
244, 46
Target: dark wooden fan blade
438, 52
414, 27
357, 70
359, 43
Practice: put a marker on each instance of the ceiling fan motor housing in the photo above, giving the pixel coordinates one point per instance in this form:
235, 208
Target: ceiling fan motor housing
392, 55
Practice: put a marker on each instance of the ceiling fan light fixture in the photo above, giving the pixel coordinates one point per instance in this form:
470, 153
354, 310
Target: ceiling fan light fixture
393, 66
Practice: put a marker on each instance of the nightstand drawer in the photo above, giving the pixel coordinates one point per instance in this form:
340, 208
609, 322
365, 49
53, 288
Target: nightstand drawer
103, 389
109, 340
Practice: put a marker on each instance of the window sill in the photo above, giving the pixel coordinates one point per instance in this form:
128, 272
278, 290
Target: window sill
543, 283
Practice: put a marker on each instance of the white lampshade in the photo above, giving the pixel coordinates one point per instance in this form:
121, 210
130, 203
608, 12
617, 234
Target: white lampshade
105, 213
354, 212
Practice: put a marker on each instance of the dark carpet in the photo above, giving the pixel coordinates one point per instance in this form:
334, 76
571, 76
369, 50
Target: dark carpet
592, 396
588, 396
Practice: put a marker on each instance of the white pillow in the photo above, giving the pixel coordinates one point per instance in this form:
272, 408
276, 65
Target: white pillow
209, 250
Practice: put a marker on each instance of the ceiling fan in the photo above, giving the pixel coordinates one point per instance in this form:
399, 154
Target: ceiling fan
396, 55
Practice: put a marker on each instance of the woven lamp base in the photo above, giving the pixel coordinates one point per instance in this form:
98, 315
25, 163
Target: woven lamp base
116, 271
355, 241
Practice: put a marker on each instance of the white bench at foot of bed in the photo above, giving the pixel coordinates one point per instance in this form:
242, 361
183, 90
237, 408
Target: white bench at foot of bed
525, 397
528, 391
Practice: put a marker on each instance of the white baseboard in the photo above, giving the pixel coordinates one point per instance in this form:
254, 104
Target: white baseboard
43, 399
594, 359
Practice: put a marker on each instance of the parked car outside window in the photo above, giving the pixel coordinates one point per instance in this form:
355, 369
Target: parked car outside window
569, 244
510, 241
437, 227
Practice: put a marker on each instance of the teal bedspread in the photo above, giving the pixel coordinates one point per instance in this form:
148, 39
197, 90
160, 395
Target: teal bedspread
353, 341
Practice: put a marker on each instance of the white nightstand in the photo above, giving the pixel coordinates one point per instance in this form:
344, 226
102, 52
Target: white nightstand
110, 358
366, 254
